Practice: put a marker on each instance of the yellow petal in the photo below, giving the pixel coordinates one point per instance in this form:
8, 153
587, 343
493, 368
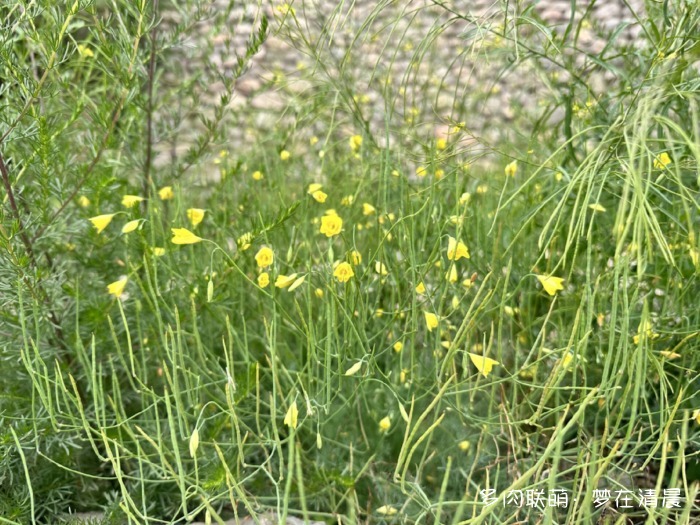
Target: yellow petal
483, 364
292, 416
319, 196
130, 200
100, 222
512, 169
431, 321
166, 193
117, 287
195, 215
385, 424
662, 160
456, 249
184, 236
551, 284
596, 207
387, 510
420, 289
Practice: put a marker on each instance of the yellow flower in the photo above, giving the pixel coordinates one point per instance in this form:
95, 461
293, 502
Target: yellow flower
263, 280
331, 225
483, 364
292, 416
166, 193
456, 249
439, 173
102, 221
244, 241
117, 287
284, 154
451, 275
130, 200
313, 188
385, 424
318, 293
355, 142
596, 207
395, 173
195, 215
550, 283
285, 9
265, 257
131, 226
258, 175
83, 201
356, 257
398, 346
421, 171
420, 289
481, 189
184, 236
85, 51
313, 140
431, 321
347, 200
645, 330
343, 272
158, 251
368, 209
441, 144
464, 445
284, 281
662, 160
319, 196
512, 169
380, 268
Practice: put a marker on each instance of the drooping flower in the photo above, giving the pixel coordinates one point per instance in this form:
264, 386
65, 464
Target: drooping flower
662, 160
265, 257
184, 236
195, 215
263, 280
130, 200
356, 257
381, 268
83, 201
645, 330
158, 251
166, 193
456, 249
551, 284
512, 169
431, 321
131, 226
420, 288
292, 416
343, 272
117, 287
100, 222
331, 225
451, 275
483, 364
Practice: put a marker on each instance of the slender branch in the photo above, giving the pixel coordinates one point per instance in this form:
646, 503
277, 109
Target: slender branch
149, 121
84, 179
15, 210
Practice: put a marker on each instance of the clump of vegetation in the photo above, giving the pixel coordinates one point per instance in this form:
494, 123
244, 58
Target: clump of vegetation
370, 307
